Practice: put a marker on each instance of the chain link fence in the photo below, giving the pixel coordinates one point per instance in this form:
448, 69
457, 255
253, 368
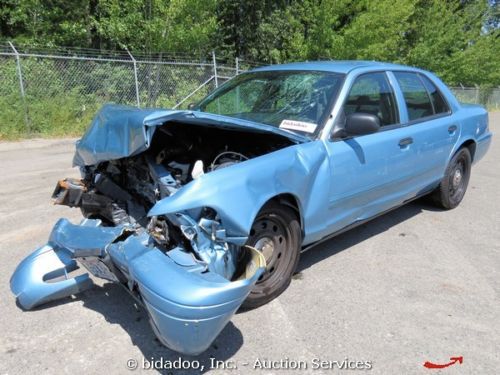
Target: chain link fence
487, 96
57, 91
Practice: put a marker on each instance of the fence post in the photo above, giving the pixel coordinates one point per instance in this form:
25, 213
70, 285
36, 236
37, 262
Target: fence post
215, 69
237, 98
135, 77
21, 86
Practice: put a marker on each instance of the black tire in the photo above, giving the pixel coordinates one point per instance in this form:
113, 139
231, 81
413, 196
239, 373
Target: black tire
453, 186
276, 232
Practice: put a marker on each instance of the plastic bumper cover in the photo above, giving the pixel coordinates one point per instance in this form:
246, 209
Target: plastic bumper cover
188, 306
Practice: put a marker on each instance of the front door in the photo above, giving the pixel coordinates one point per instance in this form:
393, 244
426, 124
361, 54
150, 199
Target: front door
371, 173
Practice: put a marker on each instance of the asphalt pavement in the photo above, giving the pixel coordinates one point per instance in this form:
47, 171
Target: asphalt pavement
415, 285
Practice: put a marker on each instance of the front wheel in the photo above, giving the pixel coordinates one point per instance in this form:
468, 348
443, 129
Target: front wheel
276, 233
453, 186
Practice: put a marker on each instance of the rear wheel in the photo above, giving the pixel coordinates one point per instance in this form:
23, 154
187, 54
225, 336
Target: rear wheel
453, 186
276, 233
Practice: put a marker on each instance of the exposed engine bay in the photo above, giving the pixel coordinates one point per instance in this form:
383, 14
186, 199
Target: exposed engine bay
121, 192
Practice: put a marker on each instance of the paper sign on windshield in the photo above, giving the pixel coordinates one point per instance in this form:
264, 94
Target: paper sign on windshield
302, 126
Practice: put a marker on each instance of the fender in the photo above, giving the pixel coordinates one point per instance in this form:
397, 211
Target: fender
238, 192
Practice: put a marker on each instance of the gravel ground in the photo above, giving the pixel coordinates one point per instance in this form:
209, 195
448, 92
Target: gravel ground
414, 285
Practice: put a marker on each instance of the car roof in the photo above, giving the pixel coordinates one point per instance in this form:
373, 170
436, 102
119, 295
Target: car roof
338, 66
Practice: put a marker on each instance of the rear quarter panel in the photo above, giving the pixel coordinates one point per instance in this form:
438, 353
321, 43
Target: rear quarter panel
473, 122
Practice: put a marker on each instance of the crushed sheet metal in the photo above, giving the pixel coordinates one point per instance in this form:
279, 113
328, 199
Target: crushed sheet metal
115, 132
119, 131
248, 186
187, 313
89, 239
209, 243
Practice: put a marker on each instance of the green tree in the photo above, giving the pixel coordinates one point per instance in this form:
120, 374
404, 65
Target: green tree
153, 26
46, 22
441, 32
457, 39
238, 22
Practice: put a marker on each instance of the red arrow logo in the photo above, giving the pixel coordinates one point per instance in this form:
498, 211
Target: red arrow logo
452, 359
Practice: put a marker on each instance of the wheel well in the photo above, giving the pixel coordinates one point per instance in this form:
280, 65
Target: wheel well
290, 201
471, 145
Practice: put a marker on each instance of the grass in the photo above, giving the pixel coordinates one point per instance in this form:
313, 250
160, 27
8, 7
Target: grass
58, 115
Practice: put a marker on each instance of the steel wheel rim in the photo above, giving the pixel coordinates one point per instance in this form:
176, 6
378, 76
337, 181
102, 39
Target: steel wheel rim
271, 236
458, 179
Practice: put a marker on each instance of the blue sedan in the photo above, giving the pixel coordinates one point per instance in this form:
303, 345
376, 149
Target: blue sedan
198, 212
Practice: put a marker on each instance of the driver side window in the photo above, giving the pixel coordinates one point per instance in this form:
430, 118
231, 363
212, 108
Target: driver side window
371, 93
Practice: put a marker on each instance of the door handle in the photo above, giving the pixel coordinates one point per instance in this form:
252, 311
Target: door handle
452, 129
405, 142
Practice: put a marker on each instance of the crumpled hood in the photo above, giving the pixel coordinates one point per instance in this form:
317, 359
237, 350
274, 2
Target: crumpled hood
115, 132
119, 131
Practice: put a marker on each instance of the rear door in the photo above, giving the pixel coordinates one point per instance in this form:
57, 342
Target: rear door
432, 126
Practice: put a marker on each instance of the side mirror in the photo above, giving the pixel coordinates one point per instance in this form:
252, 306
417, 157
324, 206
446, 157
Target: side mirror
191, 106
361, 124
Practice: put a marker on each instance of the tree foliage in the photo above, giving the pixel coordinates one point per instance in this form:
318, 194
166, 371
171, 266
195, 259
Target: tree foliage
457, 39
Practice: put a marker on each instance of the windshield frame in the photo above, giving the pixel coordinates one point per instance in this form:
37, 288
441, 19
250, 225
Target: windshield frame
221, 90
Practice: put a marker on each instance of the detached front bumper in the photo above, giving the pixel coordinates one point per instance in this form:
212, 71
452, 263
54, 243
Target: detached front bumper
188, 305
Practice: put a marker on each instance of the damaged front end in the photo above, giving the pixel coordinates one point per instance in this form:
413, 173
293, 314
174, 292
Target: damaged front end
188, 302
190, 266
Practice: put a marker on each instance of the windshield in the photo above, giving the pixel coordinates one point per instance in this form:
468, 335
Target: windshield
293, 100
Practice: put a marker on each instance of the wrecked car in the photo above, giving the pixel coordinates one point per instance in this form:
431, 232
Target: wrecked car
198, 212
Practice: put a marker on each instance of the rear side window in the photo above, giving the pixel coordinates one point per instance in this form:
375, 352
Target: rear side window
437, 99
416, 97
